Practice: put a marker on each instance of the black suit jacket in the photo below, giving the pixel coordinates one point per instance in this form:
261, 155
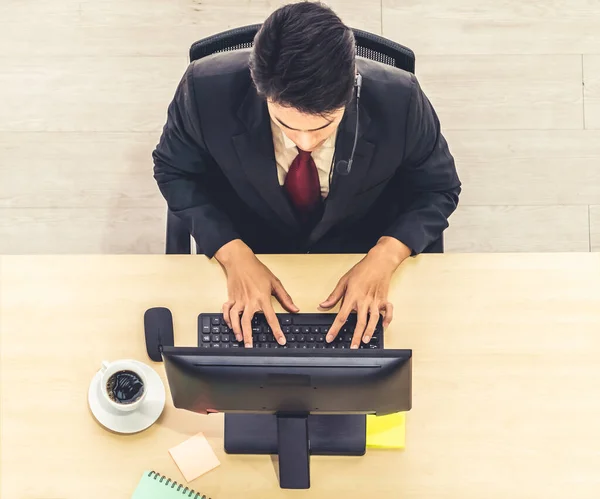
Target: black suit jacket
215, 165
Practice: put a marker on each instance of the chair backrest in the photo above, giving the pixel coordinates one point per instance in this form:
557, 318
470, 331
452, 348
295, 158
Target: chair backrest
368, 45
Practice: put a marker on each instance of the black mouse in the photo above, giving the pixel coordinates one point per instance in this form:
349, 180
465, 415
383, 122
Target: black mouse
158, 329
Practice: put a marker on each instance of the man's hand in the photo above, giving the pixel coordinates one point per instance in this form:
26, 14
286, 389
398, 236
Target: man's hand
364, 289
250, 285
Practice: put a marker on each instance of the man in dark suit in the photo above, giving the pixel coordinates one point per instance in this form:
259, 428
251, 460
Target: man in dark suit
254, 155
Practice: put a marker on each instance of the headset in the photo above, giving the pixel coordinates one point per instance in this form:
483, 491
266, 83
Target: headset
343, 167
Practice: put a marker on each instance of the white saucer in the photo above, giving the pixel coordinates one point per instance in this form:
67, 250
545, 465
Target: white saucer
129, 422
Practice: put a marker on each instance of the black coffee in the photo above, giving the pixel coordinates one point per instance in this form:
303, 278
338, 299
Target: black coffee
124, 387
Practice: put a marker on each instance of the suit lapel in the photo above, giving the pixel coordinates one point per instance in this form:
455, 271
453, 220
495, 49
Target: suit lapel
343, 187
257, 156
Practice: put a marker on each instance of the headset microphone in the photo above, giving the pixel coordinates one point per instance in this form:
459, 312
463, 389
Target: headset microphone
344, 167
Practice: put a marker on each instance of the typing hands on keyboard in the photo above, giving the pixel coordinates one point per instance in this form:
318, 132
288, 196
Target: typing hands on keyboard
304, 331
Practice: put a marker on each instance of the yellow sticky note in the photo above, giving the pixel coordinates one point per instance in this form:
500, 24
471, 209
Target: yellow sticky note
194, 457
386, 432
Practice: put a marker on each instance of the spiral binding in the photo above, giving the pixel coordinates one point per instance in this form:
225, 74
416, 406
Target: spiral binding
185, 492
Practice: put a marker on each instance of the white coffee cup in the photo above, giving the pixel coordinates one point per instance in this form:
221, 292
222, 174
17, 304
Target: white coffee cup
110, 368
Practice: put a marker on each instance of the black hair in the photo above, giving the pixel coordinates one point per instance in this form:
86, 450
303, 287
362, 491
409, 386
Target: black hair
304, 58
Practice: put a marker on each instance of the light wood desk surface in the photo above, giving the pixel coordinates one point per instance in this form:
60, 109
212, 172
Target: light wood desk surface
506, 377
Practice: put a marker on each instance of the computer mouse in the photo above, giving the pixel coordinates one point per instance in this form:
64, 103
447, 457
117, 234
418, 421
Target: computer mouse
158, 329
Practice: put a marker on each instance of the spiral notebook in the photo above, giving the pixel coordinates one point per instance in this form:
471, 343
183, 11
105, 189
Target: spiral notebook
153, 485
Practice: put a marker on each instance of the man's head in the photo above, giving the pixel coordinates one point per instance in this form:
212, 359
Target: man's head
303, 64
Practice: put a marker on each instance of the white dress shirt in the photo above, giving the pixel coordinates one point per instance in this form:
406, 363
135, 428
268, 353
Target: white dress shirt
286, 151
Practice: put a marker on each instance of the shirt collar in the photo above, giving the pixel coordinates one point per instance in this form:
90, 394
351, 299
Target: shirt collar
286, 140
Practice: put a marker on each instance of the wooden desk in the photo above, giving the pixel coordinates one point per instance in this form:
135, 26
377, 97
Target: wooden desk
506, 377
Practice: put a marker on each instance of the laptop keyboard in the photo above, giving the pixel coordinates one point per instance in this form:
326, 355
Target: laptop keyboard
302, 331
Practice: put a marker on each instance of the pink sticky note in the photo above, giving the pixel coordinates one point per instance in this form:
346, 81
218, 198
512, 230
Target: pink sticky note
194, 457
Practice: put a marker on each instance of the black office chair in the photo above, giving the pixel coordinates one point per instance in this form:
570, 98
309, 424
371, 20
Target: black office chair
368, 45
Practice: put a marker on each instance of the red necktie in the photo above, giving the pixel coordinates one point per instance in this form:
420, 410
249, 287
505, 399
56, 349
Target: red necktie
303, 187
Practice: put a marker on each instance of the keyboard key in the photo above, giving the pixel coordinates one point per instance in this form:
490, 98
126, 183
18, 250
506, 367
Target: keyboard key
216, 321
339, 338
333, 345
291, 337
206, 324
235, 344
304, 346
215, 329
205, 345
325, 330
216, 345
301, 338
306, 330
216, 337
256, 330
320, 338
311, 338
225, 338
270, 338
262, 338
206, 338
296, 330
315, 330
311, 319
224, 329
286, 321
225, 345
268, 345
286, 329
223, 323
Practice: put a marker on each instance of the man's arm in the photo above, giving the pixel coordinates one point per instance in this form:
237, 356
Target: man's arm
180, 162
180, 168
429, 173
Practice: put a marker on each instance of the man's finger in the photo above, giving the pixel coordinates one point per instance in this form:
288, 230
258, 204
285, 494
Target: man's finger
247, 325
234, 315
274, 323
361, 324
336, 295
372, 324
338, 323
284, 298
226, 309
388, 314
